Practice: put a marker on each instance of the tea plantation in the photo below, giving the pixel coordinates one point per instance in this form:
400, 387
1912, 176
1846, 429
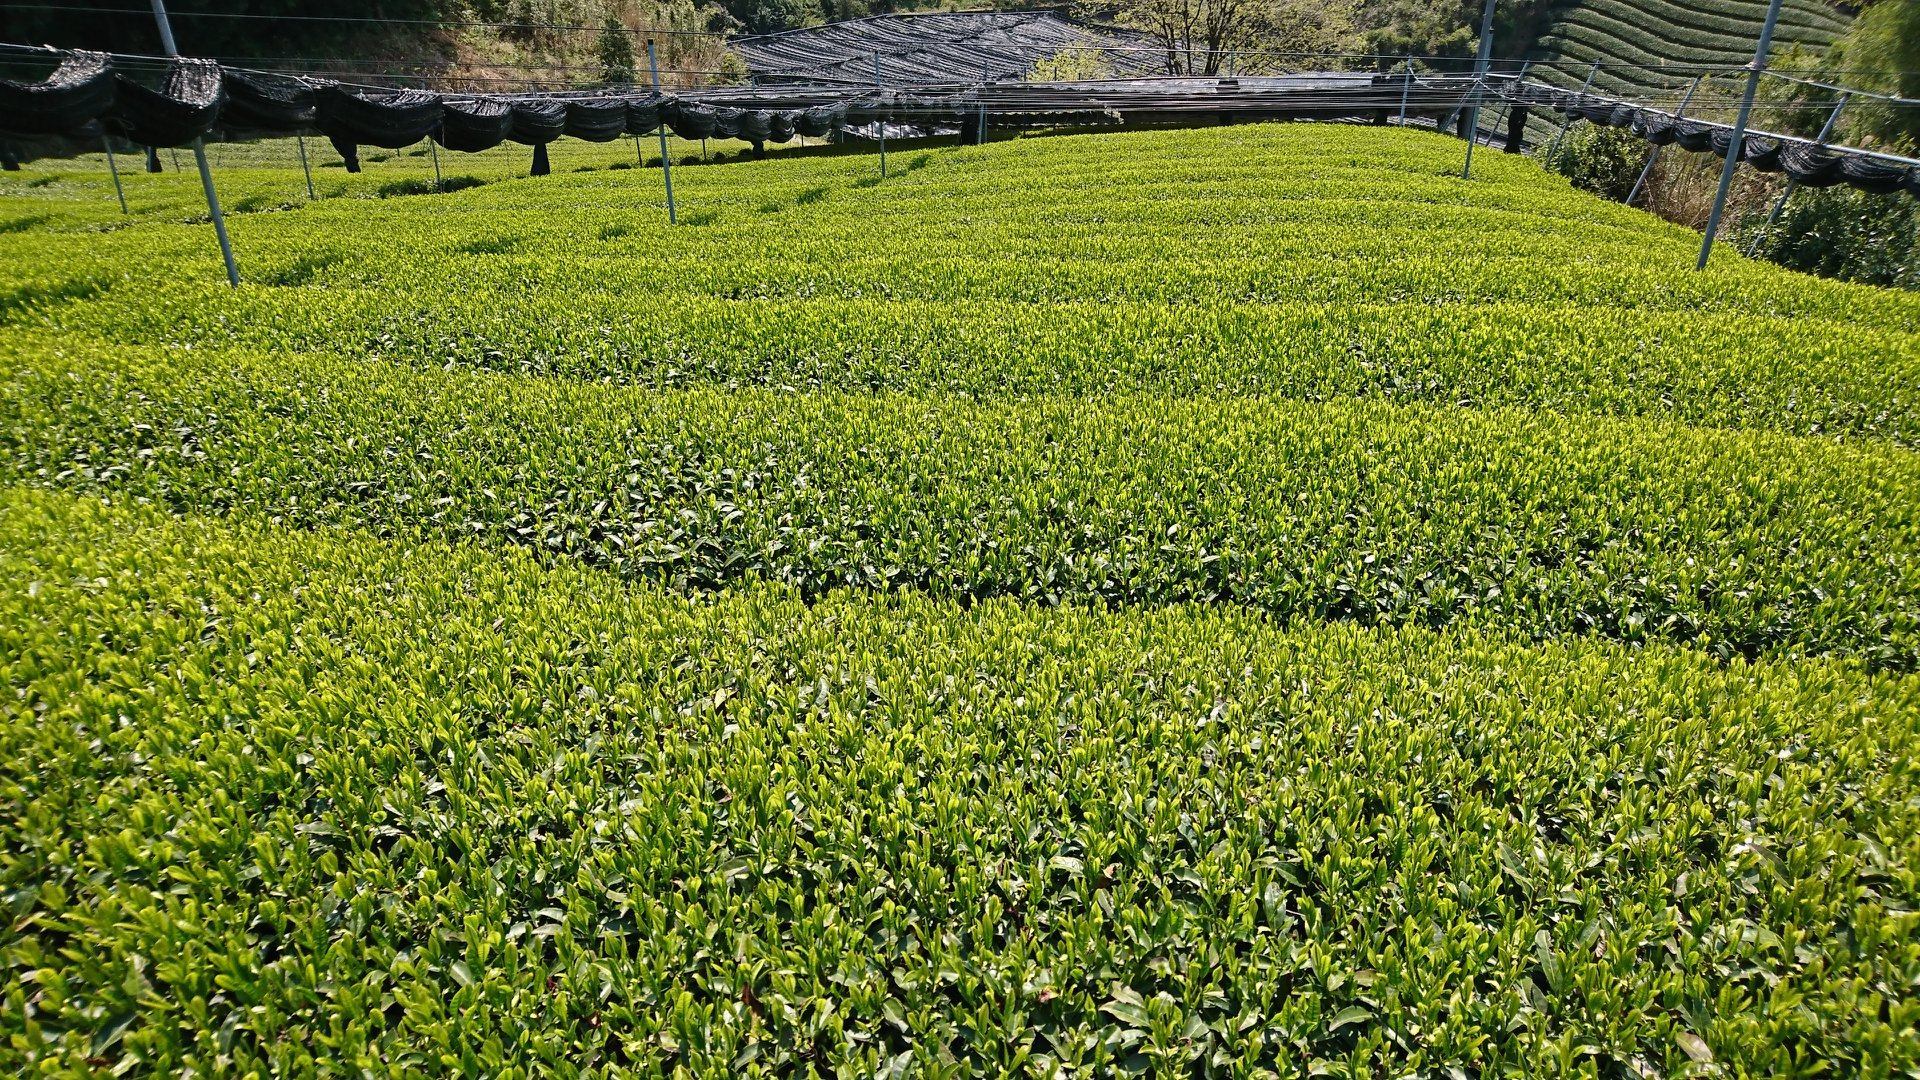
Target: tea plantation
1240, 603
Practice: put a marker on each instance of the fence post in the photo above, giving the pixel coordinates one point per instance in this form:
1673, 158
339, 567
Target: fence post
301, 142
1826, 129
200, 158
1739, 131
1555, 144
980, 132
1479, 84
666, 160
118, 193
433, 149
1653, 153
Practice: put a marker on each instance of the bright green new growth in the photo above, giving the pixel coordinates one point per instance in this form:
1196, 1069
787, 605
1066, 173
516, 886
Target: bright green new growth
1223, 603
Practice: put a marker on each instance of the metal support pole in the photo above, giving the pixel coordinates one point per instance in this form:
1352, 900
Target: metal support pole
118, 192
1555, 144
1826, 130
200, 158
1653, 153
1406, 87
301, 142
1739, 131
980, 130
639, 156
1479, 84
433, 148
666, 160
879, 97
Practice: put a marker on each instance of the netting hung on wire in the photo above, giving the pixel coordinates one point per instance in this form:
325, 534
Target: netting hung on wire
782, 126
391, 119
1811, 166
820, 121
1693, 135
596, 119
185, 107
691, 121
1761, 153
756, 125
726, 121
261, 103
537, 122
1869, 175
644, 113
77, 92
474, 124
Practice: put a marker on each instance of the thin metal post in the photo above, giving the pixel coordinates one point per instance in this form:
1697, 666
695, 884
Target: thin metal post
639, 157
666, 160
301, 142
118, 192
1479, 83
980, 130
1653, 153
200, 159
433, 148
879, 97
1406, 87
1562, 133
1739, 131
1826, 129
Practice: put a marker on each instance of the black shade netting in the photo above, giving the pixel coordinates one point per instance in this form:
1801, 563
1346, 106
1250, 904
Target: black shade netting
1720, 140
1656, 128
726, 121
1878, 177
268, 104
79, 91
1762, 153
474, 124
1621, 116
782, 126
688, 120
1811, 166
182, 110
756, 126
643, 114
1693, 135
389, 119
1596, 112
349, 153
537, 123
597, 119
820, 121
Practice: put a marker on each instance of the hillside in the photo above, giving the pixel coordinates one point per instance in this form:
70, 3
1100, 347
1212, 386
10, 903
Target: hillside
1632, 39
1231, 602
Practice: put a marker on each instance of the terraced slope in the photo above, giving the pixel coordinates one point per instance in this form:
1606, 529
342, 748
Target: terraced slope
1634, 39
1241, 602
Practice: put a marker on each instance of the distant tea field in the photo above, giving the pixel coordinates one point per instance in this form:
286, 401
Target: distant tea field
1243, 602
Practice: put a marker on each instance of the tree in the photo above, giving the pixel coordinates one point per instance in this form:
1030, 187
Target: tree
1882, 52
769, 16
616, 55
1201, 37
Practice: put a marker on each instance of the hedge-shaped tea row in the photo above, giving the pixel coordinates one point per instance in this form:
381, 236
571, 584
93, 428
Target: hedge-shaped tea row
1803, 376
295, 802
1741, 544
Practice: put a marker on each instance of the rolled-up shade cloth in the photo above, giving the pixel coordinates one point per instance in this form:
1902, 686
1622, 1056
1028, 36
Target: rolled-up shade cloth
726, 121
1720, 140
820, 121
269, 104
1596, 112
389, 119
1762, 153
781, 126
1873, 176
1693, 135
182, 110
688, 120
1656, 129
537, 123
596, 119
474, 124
756, 125
643, 114
1622, 116
79, 91
1811, 166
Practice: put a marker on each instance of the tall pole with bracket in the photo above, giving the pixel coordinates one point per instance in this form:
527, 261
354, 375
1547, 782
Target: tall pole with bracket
200, 157
1479, 81
1739, 132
